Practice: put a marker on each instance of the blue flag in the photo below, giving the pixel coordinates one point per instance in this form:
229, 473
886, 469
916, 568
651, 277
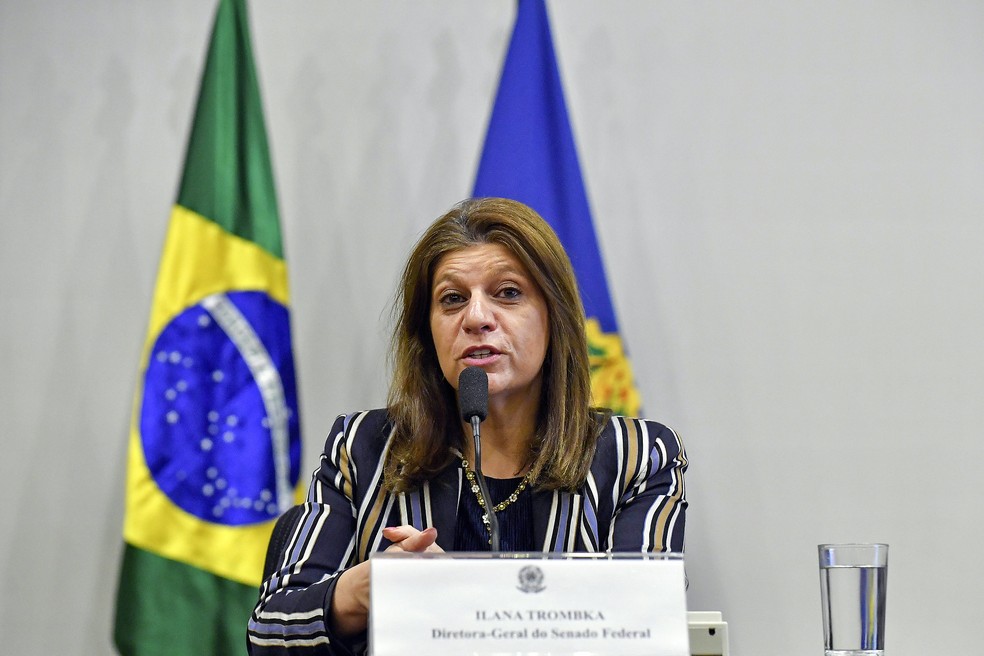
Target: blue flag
530, 156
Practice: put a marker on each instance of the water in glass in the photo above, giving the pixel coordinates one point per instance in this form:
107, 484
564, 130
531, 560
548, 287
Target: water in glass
854, 610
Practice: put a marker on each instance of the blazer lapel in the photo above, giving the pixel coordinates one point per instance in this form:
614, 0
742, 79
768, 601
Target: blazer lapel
557, 519
445, 492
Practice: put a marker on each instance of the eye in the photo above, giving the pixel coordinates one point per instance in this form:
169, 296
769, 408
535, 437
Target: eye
510, 292
450, 298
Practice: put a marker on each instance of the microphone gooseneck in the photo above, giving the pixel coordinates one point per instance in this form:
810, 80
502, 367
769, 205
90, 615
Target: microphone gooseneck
473, 401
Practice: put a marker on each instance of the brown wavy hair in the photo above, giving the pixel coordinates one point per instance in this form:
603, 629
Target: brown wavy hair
423, 405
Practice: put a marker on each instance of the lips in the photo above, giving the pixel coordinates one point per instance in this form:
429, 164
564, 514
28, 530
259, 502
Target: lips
479, 353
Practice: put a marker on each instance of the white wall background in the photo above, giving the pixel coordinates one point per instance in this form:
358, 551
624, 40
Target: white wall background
789, 197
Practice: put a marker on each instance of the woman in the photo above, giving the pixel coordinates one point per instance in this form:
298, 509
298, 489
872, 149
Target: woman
488, 285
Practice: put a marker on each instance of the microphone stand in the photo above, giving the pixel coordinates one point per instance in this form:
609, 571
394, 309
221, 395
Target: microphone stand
491, 519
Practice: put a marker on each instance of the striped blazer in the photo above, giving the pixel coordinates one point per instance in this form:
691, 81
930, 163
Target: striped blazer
633, 500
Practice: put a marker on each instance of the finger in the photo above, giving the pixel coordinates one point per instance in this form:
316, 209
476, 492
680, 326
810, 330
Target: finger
421, 541
397, 534
414, 541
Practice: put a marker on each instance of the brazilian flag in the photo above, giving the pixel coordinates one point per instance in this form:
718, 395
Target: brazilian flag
530, 156
214, 448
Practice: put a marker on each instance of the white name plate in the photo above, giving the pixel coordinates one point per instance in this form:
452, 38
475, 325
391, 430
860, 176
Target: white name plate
528, 605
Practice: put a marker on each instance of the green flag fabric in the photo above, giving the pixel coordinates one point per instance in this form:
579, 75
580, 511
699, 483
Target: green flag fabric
214, 446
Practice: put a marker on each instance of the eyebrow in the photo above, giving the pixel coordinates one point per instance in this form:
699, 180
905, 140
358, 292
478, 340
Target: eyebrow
503, 269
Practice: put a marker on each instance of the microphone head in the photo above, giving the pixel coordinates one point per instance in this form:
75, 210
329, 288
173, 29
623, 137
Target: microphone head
473, 393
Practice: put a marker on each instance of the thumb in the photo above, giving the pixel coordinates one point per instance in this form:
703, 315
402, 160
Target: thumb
421, 540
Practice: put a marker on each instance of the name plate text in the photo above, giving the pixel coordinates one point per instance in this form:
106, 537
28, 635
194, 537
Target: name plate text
528, 604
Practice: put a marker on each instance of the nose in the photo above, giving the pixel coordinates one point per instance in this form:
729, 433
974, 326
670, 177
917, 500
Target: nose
479, 315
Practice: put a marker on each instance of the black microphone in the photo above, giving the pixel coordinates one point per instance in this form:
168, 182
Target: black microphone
473, 393
473, 401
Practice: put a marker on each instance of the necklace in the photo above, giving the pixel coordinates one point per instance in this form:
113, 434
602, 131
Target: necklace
477, 491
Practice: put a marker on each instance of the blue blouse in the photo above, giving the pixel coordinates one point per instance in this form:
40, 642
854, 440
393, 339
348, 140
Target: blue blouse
515, 520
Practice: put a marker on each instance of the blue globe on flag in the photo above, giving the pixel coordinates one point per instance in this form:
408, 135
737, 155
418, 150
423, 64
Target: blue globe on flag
217, 411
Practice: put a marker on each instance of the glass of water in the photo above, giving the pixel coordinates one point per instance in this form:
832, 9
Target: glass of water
853, 581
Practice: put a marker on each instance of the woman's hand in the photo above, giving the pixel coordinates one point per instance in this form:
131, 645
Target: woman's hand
350, 602
407, 538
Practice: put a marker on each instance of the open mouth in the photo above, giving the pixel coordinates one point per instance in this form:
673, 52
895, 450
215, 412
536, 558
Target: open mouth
480, 354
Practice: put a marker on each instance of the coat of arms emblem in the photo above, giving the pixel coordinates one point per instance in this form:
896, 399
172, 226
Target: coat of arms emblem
531, 579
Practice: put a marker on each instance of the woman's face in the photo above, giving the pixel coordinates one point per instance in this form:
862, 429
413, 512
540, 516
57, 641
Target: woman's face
486, 311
